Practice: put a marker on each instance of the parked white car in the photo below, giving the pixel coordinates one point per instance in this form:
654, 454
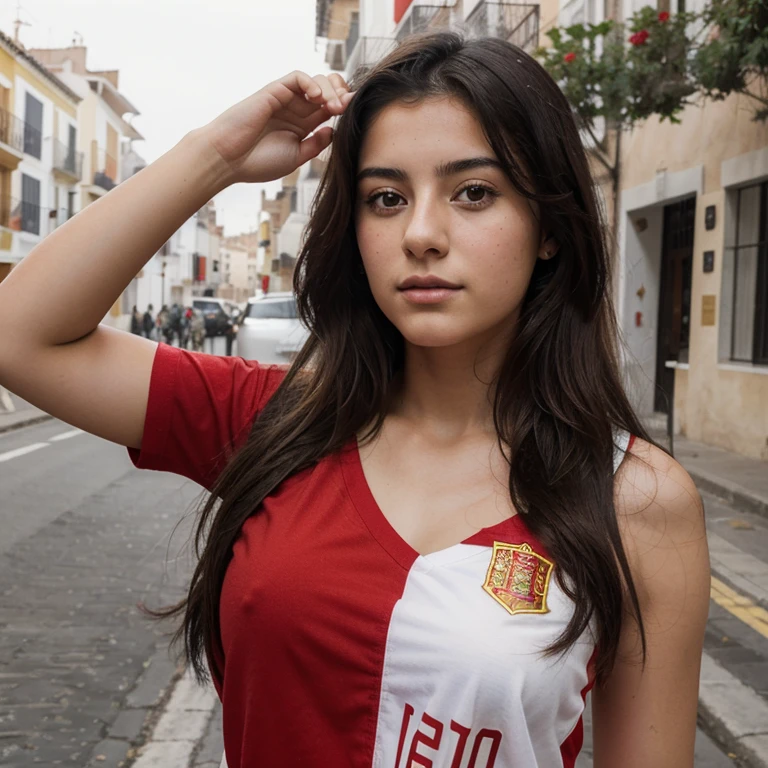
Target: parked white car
270, 330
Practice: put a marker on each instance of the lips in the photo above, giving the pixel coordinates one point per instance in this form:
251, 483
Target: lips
426, 282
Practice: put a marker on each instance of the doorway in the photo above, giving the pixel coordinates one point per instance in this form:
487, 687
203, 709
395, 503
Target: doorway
674, 297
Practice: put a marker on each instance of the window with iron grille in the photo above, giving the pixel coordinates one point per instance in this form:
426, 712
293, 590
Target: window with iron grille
33, 126
748, 274
30, 204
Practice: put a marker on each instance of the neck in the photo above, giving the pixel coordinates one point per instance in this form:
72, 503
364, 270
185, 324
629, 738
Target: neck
447, 392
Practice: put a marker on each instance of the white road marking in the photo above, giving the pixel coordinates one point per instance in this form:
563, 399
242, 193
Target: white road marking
29, 448
21, 451
66, 435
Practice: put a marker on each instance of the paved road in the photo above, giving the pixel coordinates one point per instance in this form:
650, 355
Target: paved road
86, 537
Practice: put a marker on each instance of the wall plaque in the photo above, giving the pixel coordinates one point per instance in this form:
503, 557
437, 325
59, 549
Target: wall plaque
708, 310
709, 217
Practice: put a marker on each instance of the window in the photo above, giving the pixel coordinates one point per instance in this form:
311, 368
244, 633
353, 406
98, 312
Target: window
30, 204
70, 162
207, 306
272, 308
33, 126
747, 276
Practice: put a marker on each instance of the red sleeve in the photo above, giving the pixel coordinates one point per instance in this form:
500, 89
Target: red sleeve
200, 408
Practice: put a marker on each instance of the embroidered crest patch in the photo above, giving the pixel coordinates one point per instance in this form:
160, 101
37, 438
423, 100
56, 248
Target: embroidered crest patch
518, 578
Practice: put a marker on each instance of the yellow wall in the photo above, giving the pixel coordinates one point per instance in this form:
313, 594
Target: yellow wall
707, 136
717, 402
723, 406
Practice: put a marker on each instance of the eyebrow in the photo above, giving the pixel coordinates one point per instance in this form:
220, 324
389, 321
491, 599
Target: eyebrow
441, 171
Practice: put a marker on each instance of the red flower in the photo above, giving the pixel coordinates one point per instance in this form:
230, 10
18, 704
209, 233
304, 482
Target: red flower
664, 16
639, 38
569, 57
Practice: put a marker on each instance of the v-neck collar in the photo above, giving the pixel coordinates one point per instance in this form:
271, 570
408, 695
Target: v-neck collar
512, 530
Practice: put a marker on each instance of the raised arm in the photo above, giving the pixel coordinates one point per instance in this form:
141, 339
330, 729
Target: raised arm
90, 375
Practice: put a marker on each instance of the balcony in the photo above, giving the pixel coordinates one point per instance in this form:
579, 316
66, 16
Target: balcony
516, 23
420, 18
11, 140
367, 51
67, 162
104, 169
23, 216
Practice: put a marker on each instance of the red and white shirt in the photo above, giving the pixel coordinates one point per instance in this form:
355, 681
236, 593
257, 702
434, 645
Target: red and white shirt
345, 647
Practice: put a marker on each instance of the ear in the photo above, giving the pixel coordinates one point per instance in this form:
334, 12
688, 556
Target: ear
548, 248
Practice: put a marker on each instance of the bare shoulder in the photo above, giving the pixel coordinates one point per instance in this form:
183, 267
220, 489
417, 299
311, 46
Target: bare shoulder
653, 490
661, 518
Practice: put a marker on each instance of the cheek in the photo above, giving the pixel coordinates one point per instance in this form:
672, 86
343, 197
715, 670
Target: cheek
376, 244
503, 259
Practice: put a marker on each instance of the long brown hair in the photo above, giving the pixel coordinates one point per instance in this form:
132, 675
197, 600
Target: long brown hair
558, 394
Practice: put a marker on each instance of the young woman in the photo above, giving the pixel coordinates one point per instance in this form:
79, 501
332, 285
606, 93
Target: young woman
430, 536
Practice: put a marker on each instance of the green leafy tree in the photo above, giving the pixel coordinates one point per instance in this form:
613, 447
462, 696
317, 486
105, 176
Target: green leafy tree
605, 72
734, 58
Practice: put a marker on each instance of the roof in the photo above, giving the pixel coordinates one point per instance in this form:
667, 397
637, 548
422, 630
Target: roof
19, 51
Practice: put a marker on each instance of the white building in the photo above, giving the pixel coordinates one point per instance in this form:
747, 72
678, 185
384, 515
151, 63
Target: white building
235, 266
39, 162
103, 132
291, 233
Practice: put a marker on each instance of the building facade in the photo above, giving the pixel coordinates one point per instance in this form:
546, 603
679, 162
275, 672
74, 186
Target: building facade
692, 274
693, 284
105, 138
40, 163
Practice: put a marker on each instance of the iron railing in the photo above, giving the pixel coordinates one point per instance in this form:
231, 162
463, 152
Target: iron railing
423, 17
24, 216
514, 22
67, 160
104, 168
11, 130
367, 52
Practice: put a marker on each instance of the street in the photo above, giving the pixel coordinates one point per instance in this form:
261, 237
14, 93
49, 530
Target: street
86, 537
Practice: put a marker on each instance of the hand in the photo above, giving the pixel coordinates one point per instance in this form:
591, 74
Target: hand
266, 136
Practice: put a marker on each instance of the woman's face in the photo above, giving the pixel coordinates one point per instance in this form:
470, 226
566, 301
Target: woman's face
425, 215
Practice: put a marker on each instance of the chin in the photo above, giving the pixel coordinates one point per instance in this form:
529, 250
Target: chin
434, 331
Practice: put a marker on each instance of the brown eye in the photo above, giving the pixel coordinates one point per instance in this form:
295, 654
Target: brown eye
475, 194
389, 199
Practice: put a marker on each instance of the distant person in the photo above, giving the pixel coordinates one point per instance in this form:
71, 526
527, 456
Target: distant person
432, 534
136, 321
196, 329
149, 323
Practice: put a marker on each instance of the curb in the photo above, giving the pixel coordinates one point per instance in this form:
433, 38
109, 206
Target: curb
722, 554
25, 423
733, 713
176, 734
138, 713
730, 492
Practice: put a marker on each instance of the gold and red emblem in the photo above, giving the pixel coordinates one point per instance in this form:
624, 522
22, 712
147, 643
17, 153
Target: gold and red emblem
518, 578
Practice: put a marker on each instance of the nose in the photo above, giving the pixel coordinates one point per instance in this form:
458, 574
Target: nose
426, 233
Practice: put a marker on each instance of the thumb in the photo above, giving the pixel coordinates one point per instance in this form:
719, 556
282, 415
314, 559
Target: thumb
313, 145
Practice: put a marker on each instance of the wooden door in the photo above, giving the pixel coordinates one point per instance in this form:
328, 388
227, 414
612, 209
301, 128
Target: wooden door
674, 296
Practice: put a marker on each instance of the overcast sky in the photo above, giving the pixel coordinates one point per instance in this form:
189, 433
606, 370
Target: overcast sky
181, 62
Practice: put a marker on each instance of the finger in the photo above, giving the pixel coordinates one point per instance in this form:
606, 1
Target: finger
339, 84
329, 95
301, 83
313, 145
